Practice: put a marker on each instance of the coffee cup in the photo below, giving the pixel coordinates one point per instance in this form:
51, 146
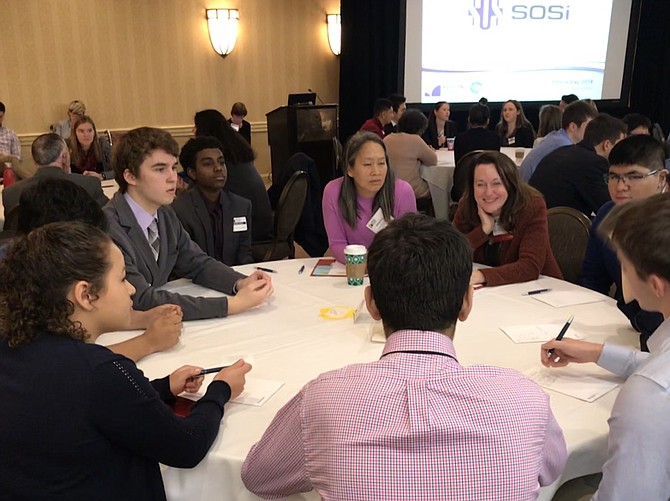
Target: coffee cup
355, 258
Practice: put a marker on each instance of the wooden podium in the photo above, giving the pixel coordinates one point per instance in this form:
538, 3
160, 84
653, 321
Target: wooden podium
306, 129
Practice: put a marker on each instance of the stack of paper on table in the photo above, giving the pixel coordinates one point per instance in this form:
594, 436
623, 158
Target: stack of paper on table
559, 299
329, 267
256, 391
540, 333
586, 382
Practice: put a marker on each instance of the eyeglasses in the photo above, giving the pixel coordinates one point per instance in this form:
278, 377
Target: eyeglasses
628, 179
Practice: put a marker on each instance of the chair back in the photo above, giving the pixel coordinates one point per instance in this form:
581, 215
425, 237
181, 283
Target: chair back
568, 237
337, 153
288, 212
461, 173
12, 219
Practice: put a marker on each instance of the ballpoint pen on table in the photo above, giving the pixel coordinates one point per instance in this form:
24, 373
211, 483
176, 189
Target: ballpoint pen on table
302, 268
269, 270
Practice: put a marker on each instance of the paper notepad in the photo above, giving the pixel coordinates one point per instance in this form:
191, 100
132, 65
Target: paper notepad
256, 391
583, 383
537, 333
559, 299
329, 268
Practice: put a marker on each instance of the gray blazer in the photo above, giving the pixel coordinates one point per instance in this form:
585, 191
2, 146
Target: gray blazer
178, 256
191, 210
11, 195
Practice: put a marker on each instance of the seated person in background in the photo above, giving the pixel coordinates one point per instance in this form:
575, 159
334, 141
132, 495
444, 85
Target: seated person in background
572, 176
9, 141
60, 200
514, 129
550, 120
397, 428
439, 126
636, 172
89, 154
637, 124
218, 221
399, 106
637, 462
154, 243
505, 221
83, 422
382, 114
359, 204
75, 110
243, 177
238, 123
478, 136
566, 100
52, 158
407, 151
576, 117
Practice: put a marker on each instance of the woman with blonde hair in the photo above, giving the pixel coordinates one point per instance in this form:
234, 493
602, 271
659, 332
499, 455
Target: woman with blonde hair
550, 120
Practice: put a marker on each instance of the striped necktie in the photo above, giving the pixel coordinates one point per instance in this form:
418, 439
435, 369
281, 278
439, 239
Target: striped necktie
154, 240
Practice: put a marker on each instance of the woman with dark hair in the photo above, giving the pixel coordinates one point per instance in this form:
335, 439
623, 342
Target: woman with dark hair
362, 202
88, 154
505, 221
243, 177
550, 120
439, 126
407, 152
80, 421
478, 136
514, 128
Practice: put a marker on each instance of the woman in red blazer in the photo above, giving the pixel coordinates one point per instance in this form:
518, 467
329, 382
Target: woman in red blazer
505, 221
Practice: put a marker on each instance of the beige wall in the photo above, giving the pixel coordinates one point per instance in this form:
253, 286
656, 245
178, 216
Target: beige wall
150, 62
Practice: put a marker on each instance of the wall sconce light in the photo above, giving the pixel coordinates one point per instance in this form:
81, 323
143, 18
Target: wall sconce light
335, 32
222, 24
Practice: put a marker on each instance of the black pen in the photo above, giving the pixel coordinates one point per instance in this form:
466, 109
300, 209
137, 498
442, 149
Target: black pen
269, 270
537, 291
302, 268
565, 328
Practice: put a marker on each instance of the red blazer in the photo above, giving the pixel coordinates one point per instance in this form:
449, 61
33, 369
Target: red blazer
373, 125
524, 257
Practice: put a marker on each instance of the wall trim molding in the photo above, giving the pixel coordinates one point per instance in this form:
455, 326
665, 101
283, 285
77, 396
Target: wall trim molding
177, 131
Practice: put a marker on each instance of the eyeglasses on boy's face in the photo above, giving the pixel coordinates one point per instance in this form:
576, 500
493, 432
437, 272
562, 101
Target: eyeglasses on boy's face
631, 178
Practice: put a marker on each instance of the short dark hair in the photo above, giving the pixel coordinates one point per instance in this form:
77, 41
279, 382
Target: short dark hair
37, 274
135, 146
479, 114
412, 122
641, 231
381, 105
644, 151
211, 122
635, 120
577, 113
239, 109
569, 98
57, 200
189, 151
604, 127
2, 107
46, 149
396, 101
419, 270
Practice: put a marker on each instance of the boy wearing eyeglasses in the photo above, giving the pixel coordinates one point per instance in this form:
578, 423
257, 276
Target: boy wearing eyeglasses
636, 172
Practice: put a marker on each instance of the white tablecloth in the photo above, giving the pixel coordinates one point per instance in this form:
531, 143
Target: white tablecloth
288, 341
440, 179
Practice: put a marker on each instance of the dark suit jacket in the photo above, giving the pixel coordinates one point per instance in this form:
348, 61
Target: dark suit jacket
191, 209
572, 176
12, 194
475, 138
430, 135
245, 130
178, 255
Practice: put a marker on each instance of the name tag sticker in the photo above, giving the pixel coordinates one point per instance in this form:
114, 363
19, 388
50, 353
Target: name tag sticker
377, 222
239, 224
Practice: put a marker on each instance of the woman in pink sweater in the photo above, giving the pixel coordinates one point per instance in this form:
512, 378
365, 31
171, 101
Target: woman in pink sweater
362, 202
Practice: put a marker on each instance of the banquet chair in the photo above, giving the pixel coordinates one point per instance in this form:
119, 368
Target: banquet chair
337, 152
568, 237
461, 172
287, 214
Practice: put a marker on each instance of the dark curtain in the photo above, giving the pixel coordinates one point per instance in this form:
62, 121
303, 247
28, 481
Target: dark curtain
650, 86
373, 44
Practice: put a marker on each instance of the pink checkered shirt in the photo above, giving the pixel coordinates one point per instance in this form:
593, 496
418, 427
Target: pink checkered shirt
411, 426
9, 142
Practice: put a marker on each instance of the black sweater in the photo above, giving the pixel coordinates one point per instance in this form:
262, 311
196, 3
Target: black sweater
80, 422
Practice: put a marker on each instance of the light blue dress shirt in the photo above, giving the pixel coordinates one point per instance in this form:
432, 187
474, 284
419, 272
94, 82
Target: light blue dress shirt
551, 142
638, 446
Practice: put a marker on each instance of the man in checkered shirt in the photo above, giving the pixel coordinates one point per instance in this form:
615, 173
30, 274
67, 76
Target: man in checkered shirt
414, 425
9, 141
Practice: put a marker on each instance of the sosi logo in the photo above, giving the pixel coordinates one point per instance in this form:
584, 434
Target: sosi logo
485, 13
